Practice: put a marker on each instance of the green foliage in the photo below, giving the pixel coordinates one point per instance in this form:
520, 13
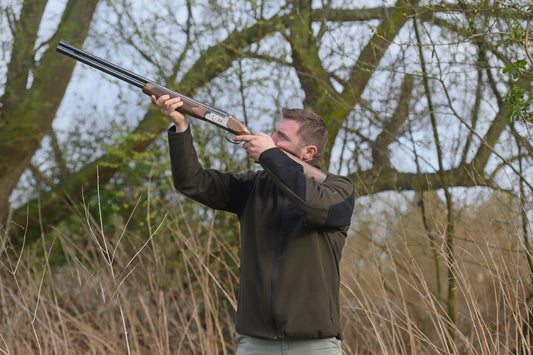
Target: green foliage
519, 103
516, 69
518, 100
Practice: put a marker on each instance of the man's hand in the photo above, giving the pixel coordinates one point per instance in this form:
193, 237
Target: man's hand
168, 107
255, 144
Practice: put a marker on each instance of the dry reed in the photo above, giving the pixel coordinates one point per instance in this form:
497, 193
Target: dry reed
173, 288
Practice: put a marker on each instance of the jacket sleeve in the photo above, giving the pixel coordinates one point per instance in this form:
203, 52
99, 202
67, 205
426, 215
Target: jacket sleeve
222, 191
328, 204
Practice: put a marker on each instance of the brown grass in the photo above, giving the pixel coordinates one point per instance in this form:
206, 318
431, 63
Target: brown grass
167, 291
172, 289
391, 298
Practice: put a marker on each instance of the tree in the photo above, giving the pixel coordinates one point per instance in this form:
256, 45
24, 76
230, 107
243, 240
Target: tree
353, 66
35, 83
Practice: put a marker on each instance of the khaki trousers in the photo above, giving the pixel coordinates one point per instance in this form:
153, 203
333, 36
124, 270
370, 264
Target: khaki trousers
257, 346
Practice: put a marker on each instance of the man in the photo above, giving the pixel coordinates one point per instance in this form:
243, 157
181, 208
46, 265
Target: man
293, 229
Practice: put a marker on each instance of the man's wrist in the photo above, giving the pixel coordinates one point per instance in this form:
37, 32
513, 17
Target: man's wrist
182, 125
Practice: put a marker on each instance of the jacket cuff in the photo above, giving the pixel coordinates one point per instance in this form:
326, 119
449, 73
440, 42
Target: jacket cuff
179, 136
276, 160
284, 169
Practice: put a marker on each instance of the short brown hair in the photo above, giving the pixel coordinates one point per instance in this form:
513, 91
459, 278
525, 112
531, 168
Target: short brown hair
313, 129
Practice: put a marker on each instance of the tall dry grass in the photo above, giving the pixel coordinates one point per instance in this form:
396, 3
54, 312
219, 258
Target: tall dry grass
172, 287
170, 290
394, 299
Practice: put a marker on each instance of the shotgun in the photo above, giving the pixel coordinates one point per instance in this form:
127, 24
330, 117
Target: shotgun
190, 106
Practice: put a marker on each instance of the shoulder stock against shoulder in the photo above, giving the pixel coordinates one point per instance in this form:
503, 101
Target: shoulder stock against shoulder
309, 170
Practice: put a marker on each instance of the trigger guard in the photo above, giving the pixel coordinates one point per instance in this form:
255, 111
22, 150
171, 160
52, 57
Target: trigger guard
229, 137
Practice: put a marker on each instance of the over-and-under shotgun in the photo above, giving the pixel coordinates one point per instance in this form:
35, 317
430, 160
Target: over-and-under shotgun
190, 106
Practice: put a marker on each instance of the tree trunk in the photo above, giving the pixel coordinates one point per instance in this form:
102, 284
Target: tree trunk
28, 111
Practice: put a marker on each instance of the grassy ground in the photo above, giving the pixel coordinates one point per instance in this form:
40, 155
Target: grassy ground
171, 288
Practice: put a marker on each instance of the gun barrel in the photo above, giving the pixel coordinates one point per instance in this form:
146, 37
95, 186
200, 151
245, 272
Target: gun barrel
123, 74
101, 64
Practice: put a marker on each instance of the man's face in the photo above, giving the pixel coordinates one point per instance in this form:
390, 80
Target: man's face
286, 137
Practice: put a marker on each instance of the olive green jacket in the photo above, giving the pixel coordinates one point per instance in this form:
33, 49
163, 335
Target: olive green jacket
293, 230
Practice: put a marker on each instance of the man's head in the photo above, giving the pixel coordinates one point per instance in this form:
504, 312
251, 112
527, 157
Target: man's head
302, 133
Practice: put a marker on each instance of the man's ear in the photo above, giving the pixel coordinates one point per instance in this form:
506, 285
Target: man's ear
309, 152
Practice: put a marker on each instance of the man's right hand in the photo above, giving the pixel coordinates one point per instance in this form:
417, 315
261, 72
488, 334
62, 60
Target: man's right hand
168, 107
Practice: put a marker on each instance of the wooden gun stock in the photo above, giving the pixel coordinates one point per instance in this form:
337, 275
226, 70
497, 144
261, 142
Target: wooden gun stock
190, 106
200, 110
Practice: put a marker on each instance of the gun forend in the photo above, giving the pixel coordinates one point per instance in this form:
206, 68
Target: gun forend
200, 110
